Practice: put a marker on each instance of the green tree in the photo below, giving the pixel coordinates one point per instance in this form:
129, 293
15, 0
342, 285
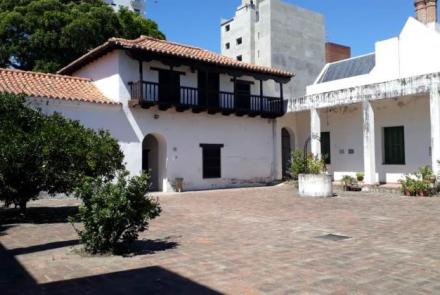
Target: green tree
48, 153
45, 35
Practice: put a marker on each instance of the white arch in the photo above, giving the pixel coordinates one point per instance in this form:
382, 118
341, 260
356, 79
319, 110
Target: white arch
157, 159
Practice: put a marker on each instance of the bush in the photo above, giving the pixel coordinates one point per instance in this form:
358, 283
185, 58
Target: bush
114, 213
297, 165
360, 176
301, 164
315, 165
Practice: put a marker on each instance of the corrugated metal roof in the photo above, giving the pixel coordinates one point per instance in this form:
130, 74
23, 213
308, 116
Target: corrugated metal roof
352, 67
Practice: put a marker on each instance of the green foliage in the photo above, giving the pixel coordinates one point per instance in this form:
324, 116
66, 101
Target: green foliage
297, 165
315, 165
114, 213
425, 173
360, 176
48, 153
305, 165
347, 180
45, 35
419, 183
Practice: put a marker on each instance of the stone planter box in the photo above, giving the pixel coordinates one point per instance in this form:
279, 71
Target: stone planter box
319, 186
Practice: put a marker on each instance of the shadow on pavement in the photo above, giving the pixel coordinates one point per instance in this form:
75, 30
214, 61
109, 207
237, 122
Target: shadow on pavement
38, 215
15, 279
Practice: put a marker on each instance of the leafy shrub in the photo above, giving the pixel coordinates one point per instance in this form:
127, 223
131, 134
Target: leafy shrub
114, 213
297, 164
301, 164
315, 165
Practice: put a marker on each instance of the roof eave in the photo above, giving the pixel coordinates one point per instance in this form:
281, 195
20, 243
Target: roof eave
113, 44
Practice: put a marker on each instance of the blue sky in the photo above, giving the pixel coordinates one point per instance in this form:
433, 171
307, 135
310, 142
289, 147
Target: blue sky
356, 23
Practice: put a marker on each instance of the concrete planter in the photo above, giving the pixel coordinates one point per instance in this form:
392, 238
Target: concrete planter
311, 185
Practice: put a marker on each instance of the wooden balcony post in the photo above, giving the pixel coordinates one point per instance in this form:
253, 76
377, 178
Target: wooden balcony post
141, 79
261, 96
234, 80
280, 109
206, 88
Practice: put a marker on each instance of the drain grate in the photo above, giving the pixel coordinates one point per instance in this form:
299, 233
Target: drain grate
333, 237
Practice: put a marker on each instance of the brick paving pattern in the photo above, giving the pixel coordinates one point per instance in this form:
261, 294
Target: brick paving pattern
243, 241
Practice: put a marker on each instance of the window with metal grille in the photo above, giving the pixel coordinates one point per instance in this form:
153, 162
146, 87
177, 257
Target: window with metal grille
394, 145
211, 154
325, 147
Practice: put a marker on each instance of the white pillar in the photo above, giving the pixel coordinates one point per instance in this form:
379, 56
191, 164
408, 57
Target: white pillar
369, 143
315, 132
435, 127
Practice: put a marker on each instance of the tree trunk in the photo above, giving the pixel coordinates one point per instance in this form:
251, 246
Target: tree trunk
23, 205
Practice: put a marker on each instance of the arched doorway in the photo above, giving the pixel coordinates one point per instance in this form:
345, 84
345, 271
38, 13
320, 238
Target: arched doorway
151, 160
287, 143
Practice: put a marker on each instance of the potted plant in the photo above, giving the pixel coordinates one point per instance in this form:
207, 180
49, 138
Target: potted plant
347, 181
420, 183
313, 181
408, 187
360, 176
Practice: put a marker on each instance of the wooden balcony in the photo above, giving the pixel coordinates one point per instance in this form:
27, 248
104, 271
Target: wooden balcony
149, 94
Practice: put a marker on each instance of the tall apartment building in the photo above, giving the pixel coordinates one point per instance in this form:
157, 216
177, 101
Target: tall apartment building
134, 5
277, 34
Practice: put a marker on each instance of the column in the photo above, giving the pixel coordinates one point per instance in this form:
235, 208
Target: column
369, 143
315, 129
435, 128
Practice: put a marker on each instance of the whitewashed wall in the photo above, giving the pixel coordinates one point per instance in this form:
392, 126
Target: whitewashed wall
345, 126
113, 72
413, 52
247, 156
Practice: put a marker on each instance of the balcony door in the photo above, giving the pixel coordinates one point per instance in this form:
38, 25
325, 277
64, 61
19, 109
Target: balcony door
209, 85
169, 87
243, 94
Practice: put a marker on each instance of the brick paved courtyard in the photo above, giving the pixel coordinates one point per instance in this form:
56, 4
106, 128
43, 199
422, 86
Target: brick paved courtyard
245, 241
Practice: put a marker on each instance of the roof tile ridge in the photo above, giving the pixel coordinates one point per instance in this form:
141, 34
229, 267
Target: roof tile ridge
32, 73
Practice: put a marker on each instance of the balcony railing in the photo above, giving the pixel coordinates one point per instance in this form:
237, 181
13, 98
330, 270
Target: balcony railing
164, 96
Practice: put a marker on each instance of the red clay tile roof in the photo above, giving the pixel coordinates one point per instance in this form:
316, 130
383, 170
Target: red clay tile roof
153, 45
50, 86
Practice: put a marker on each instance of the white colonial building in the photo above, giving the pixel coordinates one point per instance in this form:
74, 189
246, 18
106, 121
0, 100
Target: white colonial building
378, 113
177, 110
184, 112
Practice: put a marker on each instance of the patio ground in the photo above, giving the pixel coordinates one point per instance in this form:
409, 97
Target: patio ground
242, 241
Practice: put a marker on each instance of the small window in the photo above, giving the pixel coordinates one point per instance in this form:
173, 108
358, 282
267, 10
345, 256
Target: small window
394, 145
325, 147
239, 41
211, 160
228, 45
240, 58
227, 28
137, 11
257, 16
